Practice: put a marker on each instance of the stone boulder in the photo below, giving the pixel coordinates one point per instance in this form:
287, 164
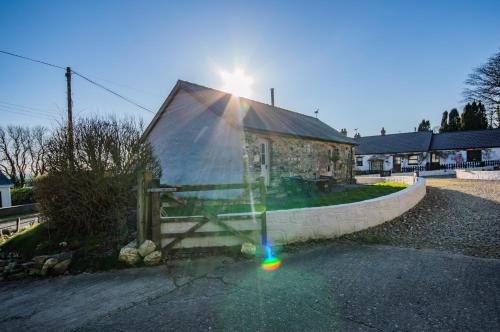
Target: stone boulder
146, 248
153, 258
61, 267
39, 260
48, 265
129, 255
248, 249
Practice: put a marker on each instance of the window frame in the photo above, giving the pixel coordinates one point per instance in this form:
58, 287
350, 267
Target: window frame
413, 163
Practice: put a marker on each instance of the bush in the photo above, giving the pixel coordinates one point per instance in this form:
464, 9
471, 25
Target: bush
22, 196
88, 193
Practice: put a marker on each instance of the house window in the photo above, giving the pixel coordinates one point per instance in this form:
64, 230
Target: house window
474, 155
434, 158
263, 154
359, 161
413, 159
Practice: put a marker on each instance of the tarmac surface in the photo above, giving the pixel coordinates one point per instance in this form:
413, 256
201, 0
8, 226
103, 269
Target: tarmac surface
332, 286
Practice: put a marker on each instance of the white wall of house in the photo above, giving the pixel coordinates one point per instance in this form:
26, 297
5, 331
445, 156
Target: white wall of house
451, 156
196, 146
6, 199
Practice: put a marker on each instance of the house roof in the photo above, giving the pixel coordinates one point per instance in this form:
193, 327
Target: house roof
256, 115
470, 139
4, 181
394, 143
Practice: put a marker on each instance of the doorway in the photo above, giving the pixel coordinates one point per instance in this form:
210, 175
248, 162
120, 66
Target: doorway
265, 162
396, 165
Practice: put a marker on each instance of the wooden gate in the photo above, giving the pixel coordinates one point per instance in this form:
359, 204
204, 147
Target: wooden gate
214, 224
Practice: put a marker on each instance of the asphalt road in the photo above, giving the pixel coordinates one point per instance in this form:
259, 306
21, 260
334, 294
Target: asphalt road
335, 286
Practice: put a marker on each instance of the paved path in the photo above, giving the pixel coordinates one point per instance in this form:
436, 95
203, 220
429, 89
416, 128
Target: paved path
336, 286
461, 216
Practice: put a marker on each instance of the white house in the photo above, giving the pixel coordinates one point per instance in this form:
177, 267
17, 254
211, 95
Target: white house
5, 185
421, 151
202, 135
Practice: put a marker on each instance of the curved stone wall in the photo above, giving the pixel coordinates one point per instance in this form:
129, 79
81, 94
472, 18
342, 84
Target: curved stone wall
326, 222
477, 175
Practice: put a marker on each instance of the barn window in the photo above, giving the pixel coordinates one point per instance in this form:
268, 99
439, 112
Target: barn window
413, 159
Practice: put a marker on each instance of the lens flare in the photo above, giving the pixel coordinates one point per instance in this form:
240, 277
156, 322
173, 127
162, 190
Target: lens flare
270, 262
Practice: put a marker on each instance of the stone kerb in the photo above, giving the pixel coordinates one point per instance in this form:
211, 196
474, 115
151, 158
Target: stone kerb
478, 175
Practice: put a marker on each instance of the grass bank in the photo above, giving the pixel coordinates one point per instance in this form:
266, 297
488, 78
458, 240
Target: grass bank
349, 195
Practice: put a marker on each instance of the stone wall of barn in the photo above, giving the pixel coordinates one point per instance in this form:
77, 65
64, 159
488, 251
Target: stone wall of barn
292, 156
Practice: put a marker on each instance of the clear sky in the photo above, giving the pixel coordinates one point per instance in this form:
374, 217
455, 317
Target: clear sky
364, 64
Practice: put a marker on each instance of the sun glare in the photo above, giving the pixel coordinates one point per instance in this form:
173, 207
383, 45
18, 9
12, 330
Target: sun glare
237, 82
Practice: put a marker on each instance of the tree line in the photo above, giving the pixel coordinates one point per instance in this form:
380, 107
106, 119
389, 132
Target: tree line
482, 95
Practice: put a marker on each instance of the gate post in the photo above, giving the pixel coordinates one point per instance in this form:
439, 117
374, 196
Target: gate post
263, 225
143, 206
155, 214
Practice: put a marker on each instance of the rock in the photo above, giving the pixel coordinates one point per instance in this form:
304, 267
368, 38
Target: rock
248, 249
28, 265
61, 267
153, 258
49, 264
62, 256
146, 248
129, 255
132, 244
39, 260
63, 244
34, 272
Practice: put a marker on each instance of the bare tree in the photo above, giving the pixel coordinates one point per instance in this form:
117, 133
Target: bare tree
22, 152
484, 86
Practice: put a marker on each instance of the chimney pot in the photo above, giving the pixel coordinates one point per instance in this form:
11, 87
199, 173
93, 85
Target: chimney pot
382, 132
272, 96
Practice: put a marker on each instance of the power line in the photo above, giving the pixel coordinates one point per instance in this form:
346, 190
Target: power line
82, 76
112, 92
33, 60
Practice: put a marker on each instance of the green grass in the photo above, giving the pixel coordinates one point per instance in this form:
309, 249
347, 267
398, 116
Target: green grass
27, 243
294, 201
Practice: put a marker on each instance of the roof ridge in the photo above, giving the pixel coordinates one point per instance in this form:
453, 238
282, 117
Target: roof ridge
409, 132
467, 131
251, 100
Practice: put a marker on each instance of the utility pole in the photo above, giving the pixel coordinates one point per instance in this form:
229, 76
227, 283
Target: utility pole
70, 119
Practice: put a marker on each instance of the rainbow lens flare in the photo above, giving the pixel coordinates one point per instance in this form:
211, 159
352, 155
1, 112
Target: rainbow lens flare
270, 262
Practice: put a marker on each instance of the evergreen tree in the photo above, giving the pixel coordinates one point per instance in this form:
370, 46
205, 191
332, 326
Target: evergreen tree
444, 123
425, 125
474, 117
454, 120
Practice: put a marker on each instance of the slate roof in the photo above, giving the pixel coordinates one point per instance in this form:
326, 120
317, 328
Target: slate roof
259, 116
470, 139
4, 181
394, 143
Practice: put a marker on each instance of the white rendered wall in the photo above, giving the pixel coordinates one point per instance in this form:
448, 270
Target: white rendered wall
6, 199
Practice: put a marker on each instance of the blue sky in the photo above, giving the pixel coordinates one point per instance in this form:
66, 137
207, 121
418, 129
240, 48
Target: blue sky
364, 64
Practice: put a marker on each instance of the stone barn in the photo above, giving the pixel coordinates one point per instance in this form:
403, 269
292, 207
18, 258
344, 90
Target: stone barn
205, 136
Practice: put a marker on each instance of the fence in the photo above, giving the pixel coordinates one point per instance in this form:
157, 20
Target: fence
211, 227
463, 165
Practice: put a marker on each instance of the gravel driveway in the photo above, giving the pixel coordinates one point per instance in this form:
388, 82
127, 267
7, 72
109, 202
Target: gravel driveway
461, 216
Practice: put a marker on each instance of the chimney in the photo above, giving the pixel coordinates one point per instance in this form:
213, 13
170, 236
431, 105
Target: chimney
382, 132
272, 96
343, 131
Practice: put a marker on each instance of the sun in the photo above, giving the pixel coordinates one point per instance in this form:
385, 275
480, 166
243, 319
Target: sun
237, 83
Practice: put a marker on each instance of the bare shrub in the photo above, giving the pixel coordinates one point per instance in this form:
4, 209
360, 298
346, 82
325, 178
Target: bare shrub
90, 195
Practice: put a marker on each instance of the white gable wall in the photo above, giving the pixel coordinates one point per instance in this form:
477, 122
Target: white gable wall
196, 146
